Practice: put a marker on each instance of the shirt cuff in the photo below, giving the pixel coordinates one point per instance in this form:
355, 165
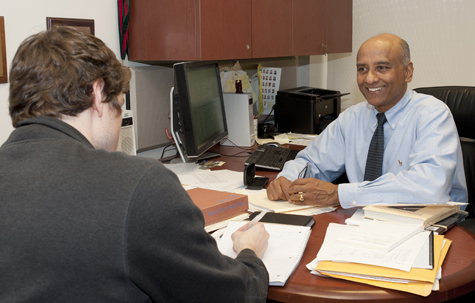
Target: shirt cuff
347, 194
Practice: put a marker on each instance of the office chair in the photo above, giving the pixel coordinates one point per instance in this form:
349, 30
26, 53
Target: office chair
461, 101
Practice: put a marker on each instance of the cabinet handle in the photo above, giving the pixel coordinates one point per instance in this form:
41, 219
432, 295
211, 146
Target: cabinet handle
325, 49
248, 46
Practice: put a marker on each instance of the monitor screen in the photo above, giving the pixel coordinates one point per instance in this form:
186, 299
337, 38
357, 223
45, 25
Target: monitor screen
199, 119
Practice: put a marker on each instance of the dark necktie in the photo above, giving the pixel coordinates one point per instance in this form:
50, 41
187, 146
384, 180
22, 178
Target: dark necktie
374, 162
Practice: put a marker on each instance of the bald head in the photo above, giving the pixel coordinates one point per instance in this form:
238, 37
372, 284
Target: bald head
395, 42
383, 70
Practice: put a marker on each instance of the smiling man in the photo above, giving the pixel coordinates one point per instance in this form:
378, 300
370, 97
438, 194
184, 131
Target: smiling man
398, 146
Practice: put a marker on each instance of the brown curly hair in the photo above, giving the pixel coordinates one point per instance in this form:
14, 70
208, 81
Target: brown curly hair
53, 71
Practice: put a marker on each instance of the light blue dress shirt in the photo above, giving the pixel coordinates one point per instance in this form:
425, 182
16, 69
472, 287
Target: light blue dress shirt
422, 154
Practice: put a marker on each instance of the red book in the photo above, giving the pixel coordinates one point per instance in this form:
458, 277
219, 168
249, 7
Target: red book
218, 205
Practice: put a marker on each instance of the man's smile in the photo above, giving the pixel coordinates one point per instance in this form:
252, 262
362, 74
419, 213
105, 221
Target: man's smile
375, 89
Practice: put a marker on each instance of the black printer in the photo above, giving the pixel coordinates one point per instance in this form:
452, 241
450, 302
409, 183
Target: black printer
306, 110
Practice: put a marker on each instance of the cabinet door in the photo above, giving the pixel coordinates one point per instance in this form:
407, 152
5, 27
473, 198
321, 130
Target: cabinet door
308, 27
271, 28
162, 30
224, 29
338, 26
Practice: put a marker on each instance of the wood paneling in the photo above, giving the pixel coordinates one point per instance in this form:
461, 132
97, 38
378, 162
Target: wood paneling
339, 25
224, 29
271, 28
170, 30
308, 27
162, 29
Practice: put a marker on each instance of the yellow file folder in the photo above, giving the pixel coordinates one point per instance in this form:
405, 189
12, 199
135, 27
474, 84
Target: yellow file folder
420, 282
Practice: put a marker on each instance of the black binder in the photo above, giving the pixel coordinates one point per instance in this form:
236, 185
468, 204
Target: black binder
289, 219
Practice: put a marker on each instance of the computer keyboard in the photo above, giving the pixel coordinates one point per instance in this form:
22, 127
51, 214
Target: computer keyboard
271, 157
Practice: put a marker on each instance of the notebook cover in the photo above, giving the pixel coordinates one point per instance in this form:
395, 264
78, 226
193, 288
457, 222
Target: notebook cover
289, 219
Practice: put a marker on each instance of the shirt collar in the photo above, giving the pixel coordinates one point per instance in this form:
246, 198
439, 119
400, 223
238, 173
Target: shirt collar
394, 114
58, 125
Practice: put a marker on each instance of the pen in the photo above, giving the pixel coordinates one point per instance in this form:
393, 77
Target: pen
256, 219
303, 172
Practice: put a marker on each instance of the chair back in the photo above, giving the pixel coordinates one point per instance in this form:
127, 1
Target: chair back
461, 101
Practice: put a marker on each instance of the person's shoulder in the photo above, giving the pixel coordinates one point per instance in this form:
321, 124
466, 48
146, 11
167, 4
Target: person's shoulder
126, 164
429, 102
125, 158
356, 111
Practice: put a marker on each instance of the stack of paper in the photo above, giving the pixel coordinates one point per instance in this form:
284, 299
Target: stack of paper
412, 266
193, 175
259, 201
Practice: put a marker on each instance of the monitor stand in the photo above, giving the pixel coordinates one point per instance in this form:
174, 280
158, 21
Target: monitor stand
185, 159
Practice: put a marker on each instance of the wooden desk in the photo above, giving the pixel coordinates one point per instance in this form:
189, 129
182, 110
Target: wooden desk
458, 270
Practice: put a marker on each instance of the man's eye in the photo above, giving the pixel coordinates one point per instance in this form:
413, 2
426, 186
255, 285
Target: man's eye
382, 68
361, 69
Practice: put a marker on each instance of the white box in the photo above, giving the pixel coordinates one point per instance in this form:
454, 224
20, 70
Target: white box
127, 134
240, 120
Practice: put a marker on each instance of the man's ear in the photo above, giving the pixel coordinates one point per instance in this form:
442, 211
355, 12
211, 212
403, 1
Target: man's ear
409, 71
97, 88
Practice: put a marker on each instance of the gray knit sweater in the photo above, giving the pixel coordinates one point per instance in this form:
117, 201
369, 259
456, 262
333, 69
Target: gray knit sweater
84, 225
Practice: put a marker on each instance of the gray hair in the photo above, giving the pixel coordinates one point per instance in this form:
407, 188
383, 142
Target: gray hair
405, 55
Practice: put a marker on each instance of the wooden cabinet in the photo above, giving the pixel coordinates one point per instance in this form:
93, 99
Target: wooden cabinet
171, 30
162, 30
224, 29
187, 30
271, 28
338, 26
322, 26
308, 29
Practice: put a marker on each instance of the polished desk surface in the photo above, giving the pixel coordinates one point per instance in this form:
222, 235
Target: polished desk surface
458, 269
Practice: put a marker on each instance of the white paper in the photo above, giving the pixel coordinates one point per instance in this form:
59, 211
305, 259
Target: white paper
381, 235
182, 168
281, 139
270, 80
357, 218
223, 180
368, 277
311, 211
224, 223
283, 254
300, 139
423, 259
260, 201
402, 257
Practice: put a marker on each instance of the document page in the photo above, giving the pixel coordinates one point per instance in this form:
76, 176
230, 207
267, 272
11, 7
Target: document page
381, 235
402, 257
190, 174
286, 246
260, 201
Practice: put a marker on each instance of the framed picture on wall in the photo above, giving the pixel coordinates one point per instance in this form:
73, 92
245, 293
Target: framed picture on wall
3, 53
86, 25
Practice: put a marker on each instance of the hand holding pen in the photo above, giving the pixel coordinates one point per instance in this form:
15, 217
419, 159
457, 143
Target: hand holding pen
251, 236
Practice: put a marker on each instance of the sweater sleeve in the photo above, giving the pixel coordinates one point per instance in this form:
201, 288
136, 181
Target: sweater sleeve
173, 259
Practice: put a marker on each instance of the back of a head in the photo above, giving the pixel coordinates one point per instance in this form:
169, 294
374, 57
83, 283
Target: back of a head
53, 71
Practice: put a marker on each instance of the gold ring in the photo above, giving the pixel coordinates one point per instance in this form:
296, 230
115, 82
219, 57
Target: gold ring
301, 196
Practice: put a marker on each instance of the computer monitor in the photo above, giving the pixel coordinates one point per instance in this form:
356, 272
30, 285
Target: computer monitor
198, 119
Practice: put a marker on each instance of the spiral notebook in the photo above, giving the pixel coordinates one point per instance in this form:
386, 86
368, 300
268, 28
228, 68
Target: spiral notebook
286, 246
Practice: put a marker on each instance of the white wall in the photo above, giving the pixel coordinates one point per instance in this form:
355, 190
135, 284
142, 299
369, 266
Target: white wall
439, 33
26, 17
